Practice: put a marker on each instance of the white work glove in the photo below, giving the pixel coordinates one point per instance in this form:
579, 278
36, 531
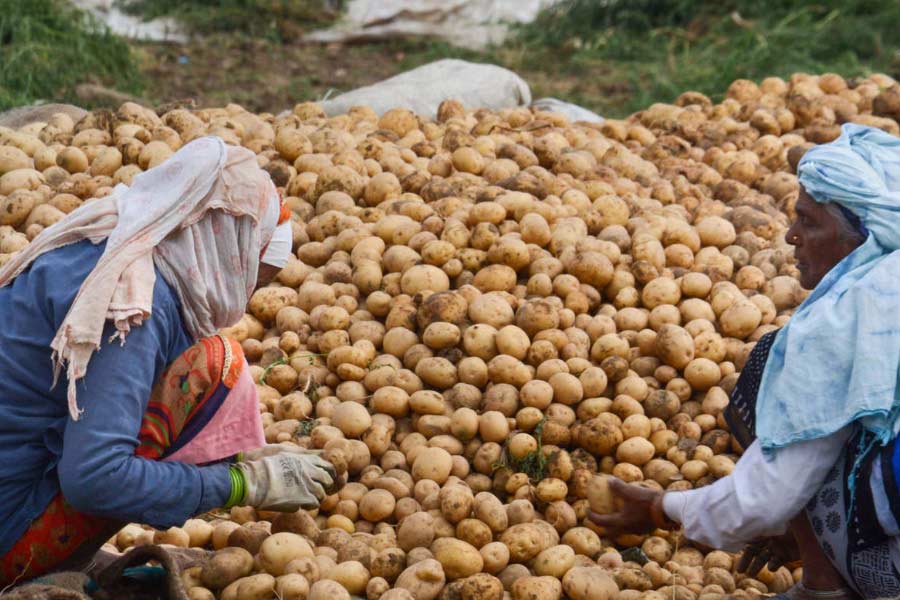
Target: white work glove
273, 449
286, 481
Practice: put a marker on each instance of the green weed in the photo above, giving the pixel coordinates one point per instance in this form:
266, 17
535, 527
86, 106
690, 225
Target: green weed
48, 47
645, 51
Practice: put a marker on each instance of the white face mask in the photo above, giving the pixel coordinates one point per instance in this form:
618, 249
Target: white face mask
280, 246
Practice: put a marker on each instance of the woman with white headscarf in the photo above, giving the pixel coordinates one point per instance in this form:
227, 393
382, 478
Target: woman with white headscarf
120, 403
817, 406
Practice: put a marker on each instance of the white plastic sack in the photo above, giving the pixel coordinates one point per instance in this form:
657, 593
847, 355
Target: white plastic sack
424, 88
573, 112
473, 24
125, 25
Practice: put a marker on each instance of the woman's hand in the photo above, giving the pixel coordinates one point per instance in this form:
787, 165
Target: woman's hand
774, 553
286, 481
641, 510
273, 449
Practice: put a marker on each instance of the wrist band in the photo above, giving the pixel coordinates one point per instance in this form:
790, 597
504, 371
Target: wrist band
238, 488
660, 519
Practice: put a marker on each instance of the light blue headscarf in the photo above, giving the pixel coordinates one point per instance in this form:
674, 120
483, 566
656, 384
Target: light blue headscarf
838, 359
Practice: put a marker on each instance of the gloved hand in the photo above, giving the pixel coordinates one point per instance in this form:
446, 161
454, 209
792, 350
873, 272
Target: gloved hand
273, 449
285, 481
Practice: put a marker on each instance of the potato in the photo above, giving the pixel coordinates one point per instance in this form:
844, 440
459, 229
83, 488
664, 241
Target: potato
292, 586
174, 536
740, 319
583, 541
397, 594
602, 499
352, 576
524, 541
73, 160
200, 593
327, 589
15, 208
491, 512
545, 588
456, 502
432, 463
424, 580
199, 532
416, 530
256, 587
225, 567
554, 561
279, 549
589, 583
424, 277
636, 451
12, 158
493, 427
20, 179
250, 535
458, 559
351, 418
267, 302
674, 346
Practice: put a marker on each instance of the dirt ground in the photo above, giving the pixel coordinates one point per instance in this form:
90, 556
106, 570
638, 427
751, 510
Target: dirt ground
260, 75
265, 76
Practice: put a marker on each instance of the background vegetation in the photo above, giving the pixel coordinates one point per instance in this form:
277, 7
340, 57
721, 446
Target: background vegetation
613, 57
47, 48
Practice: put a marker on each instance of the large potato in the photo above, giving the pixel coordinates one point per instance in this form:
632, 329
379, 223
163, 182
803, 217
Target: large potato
12, 158
279, 549
20, 179
416, 531
554, 561
424, 580
674, 346
537, 588
225, 567
589, 583
326, 589
458, 559
524, 541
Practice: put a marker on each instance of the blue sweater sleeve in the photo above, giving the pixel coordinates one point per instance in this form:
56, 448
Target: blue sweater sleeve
98, 471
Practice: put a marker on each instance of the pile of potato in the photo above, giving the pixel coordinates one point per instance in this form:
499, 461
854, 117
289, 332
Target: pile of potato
485, 311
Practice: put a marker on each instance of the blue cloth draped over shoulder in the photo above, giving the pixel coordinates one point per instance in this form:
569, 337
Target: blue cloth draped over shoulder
837, 360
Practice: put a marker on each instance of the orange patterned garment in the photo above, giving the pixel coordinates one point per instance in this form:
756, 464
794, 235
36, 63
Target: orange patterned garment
183, 402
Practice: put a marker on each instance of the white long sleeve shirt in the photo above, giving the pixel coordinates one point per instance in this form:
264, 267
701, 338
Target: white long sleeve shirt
759, 497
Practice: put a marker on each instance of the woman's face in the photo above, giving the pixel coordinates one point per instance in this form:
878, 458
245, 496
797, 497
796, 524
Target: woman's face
817, 240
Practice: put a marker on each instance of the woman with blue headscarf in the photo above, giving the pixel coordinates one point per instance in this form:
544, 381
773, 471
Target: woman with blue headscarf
817, 406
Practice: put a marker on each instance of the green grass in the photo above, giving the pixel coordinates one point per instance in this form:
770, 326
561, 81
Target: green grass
614, 57
645, 51
277, 20
47, 47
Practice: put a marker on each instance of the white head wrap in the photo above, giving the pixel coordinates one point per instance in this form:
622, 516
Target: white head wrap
202, 218
837, 359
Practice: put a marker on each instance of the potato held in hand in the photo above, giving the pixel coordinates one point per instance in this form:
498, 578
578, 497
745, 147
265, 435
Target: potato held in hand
601, 497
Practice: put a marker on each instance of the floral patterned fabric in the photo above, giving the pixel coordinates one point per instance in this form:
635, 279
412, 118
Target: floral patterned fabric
182, 407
